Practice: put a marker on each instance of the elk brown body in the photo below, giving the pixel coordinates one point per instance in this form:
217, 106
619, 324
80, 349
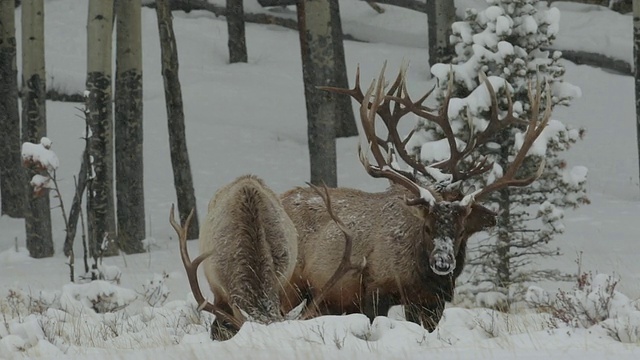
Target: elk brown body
411, 238
394, 240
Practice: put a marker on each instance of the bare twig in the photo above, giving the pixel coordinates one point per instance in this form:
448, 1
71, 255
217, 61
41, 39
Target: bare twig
76, 205
375, 6
84, 243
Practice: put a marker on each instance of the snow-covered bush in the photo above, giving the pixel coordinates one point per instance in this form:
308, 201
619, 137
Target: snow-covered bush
95, 314
100, 296
593, 302
506, 41
155, 291
44, 162
102, 271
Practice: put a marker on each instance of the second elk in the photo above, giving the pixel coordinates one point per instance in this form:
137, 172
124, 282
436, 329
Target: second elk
248, 248
413, 236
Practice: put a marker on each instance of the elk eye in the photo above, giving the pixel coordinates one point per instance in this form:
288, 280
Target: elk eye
427, 228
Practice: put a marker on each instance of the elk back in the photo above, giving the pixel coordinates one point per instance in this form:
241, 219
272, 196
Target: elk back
254, 245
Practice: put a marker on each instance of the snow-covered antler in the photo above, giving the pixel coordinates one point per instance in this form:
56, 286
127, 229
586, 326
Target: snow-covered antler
535, 126
376, 102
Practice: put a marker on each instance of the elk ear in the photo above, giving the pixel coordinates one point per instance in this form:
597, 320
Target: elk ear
419, 211
479, 218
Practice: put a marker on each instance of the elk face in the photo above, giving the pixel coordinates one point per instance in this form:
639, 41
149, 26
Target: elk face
443, 231
446, 226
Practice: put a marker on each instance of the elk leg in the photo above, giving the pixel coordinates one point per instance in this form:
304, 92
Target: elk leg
412, 313
376, 305
292, 295
429, 314
222, 330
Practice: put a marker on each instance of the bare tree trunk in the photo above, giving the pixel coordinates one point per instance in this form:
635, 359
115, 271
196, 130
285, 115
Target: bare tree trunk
318, 69
636, 55
101, 211
12, 181
345, 121
182, 178
128, 127
504, 222
503, 249
235, 24
34, 123
441, 14
76, 207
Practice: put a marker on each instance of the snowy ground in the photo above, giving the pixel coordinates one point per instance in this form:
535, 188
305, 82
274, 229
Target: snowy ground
250, 118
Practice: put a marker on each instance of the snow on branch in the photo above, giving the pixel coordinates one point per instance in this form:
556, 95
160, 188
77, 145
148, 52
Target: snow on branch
43, 161
40, 155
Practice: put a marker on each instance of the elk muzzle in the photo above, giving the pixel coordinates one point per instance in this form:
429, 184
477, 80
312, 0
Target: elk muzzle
442, 259
442, 263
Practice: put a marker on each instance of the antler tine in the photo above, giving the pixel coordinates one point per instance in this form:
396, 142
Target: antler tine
495, 123
392, 118
389, 117
355, 92
388, 172
384, 169
191, 268
368, 111
442, 120
398, 83
535, 128
345, 264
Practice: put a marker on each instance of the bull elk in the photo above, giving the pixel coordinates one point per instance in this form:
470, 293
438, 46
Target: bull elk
249, 246
413, 236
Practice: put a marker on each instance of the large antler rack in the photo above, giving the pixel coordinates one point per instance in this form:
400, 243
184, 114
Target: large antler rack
375, 101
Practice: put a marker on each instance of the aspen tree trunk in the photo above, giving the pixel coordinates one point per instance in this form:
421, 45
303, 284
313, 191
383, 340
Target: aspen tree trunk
636, 55
318, 69
182, 178
34, 123
235, 24
345, 121
128, 127
441, 13
100, 202
12, 180
504, 226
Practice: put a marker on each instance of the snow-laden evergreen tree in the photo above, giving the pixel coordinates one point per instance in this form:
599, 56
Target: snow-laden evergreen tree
507, 40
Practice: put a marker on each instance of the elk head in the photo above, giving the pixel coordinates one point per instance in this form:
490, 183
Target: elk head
449, 216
